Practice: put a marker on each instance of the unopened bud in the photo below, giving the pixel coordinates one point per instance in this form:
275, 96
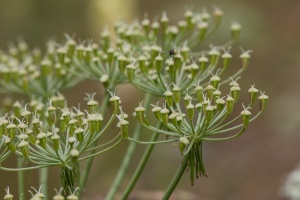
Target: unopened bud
246, 117
164, 115
253, 95
229, 104
263, 102
169, 98
235, 30
23, 145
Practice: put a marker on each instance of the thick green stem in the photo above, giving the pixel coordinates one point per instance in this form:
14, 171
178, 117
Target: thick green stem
68, 180
140, 168
20, 178
127, 158
176, 178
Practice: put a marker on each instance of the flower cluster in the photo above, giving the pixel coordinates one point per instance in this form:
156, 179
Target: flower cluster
192, 120
54, 135
31, 73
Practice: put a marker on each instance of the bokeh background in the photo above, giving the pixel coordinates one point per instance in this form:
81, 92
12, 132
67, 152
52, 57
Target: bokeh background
253, 166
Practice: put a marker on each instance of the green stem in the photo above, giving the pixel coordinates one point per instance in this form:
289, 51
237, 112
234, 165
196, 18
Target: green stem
20, 178
176, 178
140, 168
89, 162
43, 179
128, 156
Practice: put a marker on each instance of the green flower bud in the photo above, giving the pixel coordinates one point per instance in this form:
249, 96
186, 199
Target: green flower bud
130, 71
142, 63
155, 50
10, 144
52, 114
187, 99
164, 22
194, 69
246, 117
27, 115
110, 55
199, 106
36, 123
93, 106
122, 62
73, 123
79, 134
169, 98
184, 51
199, 93
42, 139
164, 115
189, 19
66, 116
183, 142
99, 120
235, 92
156, 110
31, 136
115, 100
140, 112
46, 67
55, 140
214, 81
17, 109
158, 63
226, 60
235, 31
202, 26
104, 79
213, 55
71, 47
245, 56
263, 102
209, 112
203, 62
79, 52
176, 94
155, 26
23, 145
146, 25
177, 61
123, 124
220, 104
216, 94
253, 94
190, 111
229, 104
182, 25
209, 91
61, 52
173, 118
218, 13
11, 130
71, 141
74, 153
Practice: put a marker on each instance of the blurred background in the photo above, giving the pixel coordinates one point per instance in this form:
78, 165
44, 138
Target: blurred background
253, 166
